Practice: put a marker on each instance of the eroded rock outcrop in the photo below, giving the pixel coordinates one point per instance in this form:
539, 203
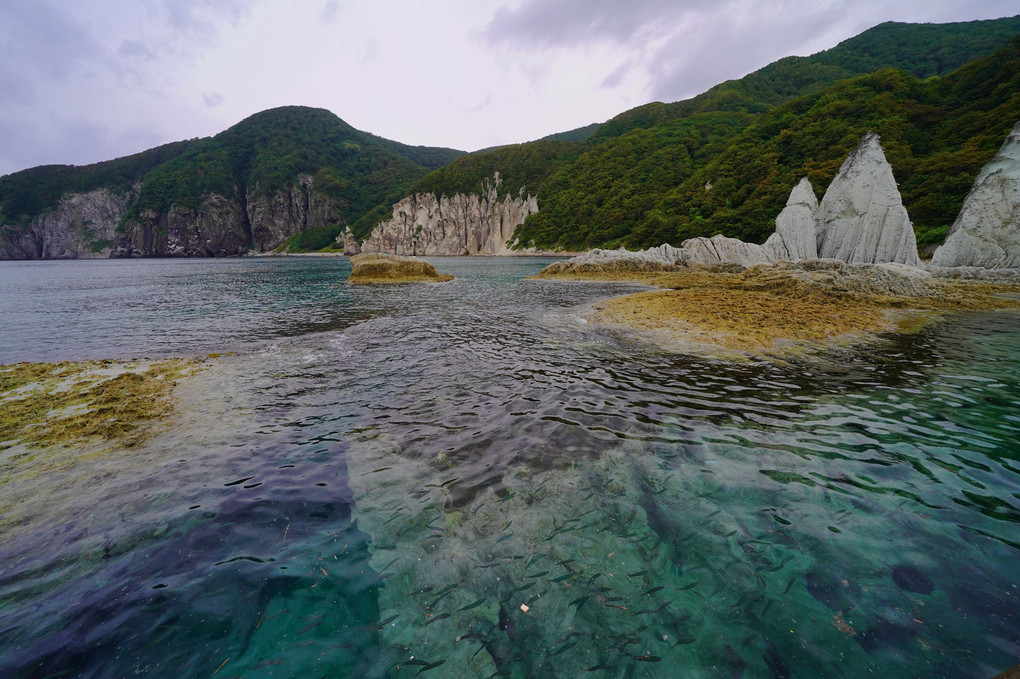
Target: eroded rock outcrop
465, 224
719, 249
381, 268
861, 218
794, 238
81, 226
987, 231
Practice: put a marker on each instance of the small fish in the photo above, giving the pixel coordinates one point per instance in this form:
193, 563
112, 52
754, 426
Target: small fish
488, 565
387, 621
475, 604
689, 586
431, 666
375, 471
565, 562
423, 590
505, 537
597, 668
648, 658
507, 524
562, 578
579, 601
537, 575
637, 574
652, 590
436, 618
563, 648
652, 610
508, 497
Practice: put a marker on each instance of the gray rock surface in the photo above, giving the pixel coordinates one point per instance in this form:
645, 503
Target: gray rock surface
987, 231
88, 225
794, 238
81, 226
465, 224
861, 218
719, 249
887, 278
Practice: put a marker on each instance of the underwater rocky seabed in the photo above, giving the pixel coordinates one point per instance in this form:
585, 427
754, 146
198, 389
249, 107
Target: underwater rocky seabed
378, 479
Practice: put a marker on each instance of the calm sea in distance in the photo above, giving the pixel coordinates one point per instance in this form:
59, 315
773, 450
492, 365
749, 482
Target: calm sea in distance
468, 480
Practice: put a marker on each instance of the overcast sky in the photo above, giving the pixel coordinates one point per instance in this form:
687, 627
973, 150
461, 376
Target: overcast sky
89, 80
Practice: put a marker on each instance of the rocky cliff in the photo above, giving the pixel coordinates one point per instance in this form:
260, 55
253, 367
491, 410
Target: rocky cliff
861, 218
99, 224
82, 225
465, 224
987, 231
794, 238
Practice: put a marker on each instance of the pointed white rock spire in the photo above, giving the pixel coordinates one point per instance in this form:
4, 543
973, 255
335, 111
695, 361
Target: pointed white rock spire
861, 218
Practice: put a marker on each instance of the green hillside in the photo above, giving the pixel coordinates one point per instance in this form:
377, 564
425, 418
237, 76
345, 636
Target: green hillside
263, 153
25, 194
647, 185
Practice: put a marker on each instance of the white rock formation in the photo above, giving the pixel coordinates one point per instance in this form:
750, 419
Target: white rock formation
722, 250
987, 231
465, 224
861, 218
794, 238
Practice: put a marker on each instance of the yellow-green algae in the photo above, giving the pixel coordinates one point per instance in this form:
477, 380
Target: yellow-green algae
384, 268
58, 404
763, 308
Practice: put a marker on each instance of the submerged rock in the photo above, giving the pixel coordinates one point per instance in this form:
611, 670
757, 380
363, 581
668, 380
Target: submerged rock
987, 231
861, 218
794, 238
382, 268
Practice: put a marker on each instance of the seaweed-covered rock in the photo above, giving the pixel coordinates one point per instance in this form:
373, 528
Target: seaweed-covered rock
861, 219
987, 231
382, 268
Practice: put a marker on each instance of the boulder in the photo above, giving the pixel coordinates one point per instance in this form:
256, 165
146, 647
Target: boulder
861, 219
383, 268
794, 238
987, 231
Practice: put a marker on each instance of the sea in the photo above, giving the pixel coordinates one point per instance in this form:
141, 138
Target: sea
469, 480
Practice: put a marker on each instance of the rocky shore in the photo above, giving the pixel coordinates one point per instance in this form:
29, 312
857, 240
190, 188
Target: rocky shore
846, 266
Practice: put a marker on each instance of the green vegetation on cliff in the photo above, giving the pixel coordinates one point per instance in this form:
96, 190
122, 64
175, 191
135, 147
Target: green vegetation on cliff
267, 152
25, 194
715, 164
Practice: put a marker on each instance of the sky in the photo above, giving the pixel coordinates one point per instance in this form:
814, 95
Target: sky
88, 80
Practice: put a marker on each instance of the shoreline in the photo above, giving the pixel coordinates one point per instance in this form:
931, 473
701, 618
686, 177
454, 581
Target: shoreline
779, 311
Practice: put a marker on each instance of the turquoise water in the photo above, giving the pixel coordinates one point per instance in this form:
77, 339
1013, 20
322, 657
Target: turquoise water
379, 481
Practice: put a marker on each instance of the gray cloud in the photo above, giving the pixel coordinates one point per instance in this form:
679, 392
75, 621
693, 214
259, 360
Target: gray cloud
212, 100
567, 22
202, 16
329, 11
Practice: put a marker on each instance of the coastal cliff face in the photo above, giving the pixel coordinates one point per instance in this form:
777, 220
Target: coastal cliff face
81, 226
987, 231
466, 224
93, 224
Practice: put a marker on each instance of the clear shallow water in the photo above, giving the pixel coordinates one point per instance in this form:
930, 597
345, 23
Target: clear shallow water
379, 478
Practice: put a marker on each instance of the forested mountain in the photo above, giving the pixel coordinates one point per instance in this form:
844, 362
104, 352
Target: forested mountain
729, 173
642, 181
941, 97
271, 177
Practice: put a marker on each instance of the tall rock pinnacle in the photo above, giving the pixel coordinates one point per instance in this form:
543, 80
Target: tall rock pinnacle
987, 231
861, 218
